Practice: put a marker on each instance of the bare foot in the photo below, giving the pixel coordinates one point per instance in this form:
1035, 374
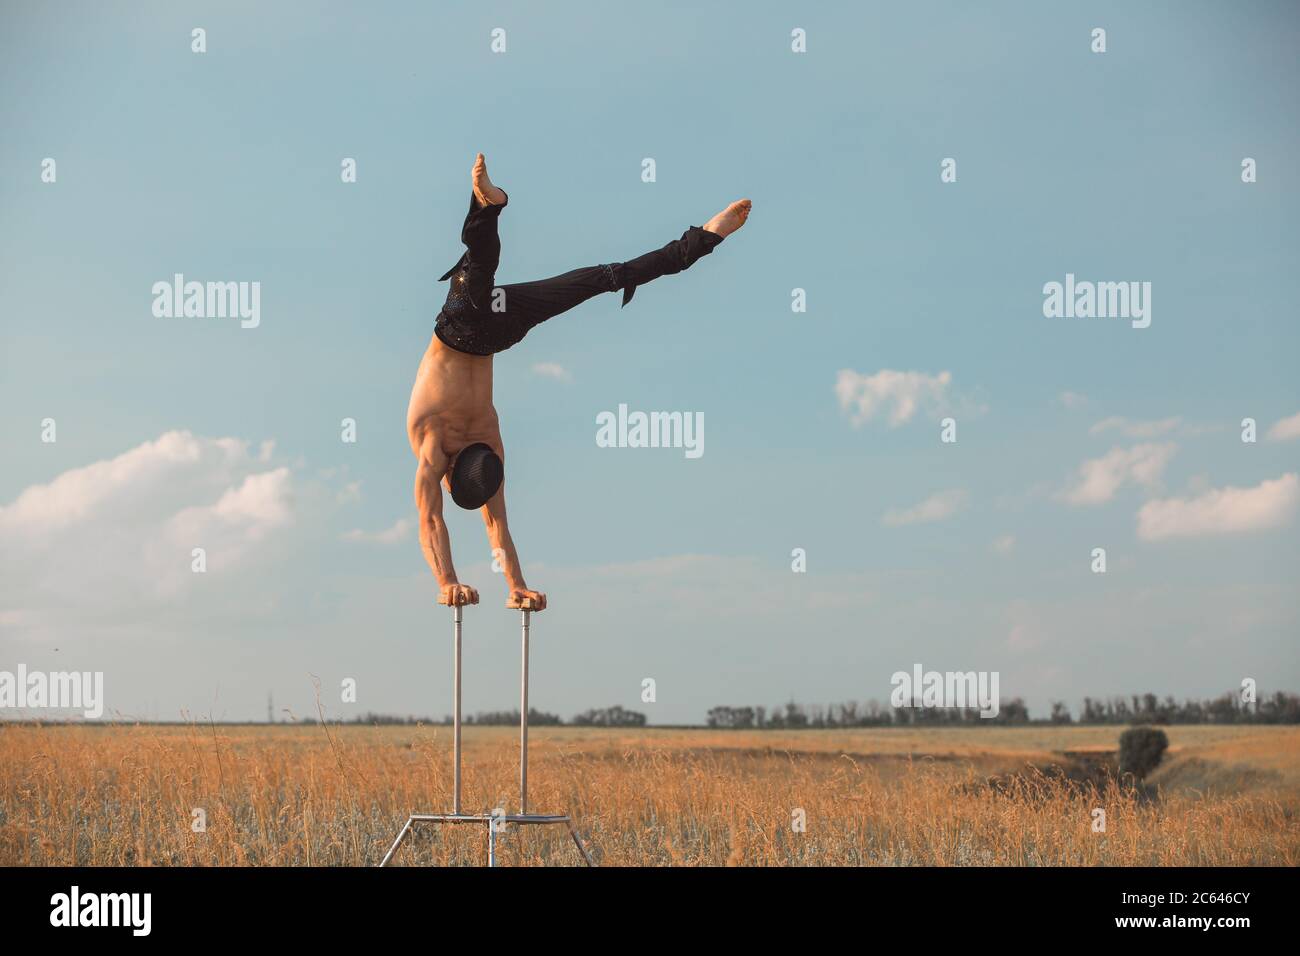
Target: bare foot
487, 194
730, 219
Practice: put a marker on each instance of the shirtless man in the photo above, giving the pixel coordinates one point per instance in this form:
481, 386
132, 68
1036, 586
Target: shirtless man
452, 426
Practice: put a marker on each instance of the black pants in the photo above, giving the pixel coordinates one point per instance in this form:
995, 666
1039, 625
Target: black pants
482, 318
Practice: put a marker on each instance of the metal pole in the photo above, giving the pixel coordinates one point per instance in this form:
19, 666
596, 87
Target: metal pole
455, 733
457, 815
396, 843
523, 722
581, 849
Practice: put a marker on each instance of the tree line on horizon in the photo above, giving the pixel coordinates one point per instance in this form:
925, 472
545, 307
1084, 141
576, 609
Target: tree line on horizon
615, 716
1281, 708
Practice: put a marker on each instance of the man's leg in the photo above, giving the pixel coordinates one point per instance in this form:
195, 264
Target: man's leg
679, 254
524, 305
528, 304
477, 268
474, 273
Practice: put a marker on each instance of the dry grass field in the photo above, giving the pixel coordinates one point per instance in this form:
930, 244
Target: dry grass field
299, 796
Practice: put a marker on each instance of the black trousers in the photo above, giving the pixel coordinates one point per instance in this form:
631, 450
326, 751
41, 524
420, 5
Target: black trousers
482, 318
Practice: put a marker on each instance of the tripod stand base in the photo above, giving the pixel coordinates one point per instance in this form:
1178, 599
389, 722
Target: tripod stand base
488, 820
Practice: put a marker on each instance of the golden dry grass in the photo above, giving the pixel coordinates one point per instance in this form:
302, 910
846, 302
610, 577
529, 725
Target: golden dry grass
295, 795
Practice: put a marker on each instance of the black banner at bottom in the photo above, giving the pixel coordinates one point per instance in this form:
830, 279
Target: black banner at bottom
330, 906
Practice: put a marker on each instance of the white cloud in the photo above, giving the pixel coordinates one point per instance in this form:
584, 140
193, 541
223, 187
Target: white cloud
1004, 544
391, 535
897, 395
242, 514
552, 370
120, 531
937, 507
1136, 429
1286, 429
1100, 478
1222, 510
1073, 400
125, 483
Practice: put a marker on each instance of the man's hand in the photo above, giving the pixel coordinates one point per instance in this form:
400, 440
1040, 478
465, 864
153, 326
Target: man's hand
457, 595
526, 600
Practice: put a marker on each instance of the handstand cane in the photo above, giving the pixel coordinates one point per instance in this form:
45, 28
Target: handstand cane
491, 821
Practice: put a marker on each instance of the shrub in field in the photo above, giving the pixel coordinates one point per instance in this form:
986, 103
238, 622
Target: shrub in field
1140, 750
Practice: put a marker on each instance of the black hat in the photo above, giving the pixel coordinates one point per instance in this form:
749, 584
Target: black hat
476, 476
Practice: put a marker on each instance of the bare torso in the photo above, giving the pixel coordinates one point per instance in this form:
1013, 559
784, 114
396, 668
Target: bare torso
451, 409
451, 403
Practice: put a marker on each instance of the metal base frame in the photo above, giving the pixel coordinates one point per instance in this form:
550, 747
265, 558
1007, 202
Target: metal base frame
492, 822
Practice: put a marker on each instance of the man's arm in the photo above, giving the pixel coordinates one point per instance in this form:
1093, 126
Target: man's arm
435, 542
503, 548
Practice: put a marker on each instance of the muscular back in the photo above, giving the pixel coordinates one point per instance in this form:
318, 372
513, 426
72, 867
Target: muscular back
451, 405
450, 409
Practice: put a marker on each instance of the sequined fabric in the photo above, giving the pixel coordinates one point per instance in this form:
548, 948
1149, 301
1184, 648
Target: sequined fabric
465, 327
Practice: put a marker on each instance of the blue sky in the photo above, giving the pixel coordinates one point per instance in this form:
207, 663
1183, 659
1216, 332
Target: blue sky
1118, 166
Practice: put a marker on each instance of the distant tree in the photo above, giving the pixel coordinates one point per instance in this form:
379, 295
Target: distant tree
614, 716
1150, 707
1279, 709
731, 718
1013, 712
499, 718
794, 716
